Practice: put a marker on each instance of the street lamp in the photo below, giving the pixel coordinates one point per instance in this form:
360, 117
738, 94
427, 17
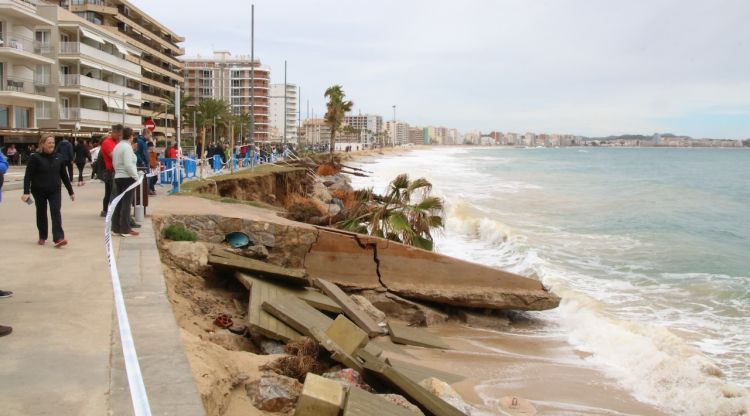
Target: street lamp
125, 94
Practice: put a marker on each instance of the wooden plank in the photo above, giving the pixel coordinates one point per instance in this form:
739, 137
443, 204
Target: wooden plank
261, 321
428, 402
362, 403
233, 261
351, 309
310, 295
320, 301
297, 314
373, 349
417, 373
403, 334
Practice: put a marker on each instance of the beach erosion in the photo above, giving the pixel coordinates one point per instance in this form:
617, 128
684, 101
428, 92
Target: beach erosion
580, 358
597, 353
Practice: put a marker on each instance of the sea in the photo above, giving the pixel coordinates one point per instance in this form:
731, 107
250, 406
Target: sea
649, 249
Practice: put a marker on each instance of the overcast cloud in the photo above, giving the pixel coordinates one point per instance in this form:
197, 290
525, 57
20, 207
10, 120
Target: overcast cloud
587, 67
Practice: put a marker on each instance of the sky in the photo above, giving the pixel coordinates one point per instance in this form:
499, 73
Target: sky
585, 67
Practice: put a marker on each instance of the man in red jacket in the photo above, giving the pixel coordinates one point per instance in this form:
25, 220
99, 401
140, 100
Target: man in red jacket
107, 147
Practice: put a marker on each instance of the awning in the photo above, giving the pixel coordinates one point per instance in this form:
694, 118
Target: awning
123, 50
113, 102
91, 35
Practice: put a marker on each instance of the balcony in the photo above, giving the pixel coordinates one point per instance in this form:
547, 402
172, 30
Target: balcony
22, 49
26, 89
89, 116
83, 50
103, 87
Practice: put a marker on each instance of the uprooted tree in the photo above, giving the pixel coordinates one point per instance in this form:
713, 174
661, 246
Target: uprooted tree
407, 213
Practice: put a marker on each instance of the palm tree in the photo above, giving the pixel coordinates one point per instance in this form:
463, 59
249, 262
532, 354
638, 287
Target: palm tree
206, 111
170, 106
407, 213
337, 107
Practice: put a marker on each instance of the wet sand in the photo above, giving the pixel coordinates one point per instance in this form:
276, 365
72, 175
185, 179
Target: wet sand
541, 368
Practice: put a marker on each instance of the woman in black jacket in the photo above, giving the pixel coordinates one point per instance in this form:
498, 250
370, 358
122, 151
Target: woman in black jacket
82, 155
44, 173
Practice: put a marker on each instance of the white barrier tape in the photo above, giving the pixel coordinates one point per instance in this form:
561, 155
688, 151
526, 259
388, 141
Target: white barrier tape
138, 394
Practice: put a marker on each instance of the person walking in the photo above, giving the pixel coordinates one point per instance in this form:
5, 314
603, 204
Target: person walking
4, 330
12, 153
153, 163
82, 155
124, 161
65, 149
44, 173
106, 149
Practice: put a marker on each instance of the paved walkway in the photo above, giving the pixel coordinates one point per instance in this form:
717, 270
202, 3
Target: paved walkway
59, 358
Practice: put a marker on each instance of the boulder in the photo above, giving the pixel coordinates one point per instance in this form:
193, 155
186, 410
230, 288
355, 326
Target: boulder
395, 306
444, 391
349, 378
258, 252
189, 256
321, 192
376, 314
274, 392
400, 400
332, 209
269, 347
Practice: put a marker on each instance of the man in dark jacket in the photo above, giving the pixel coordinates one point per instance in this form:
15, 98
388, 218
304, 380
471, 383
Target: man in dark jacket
65, 149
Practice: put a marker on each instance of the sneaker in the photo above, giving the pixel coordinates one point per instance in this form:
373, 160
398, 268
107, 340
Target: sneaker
60, 243
5, 293
131, 234
5, 330
41, 242
136, 225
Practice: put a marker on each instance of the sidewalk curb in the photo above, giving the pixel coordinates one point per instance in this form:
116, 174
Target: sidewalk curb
166, 371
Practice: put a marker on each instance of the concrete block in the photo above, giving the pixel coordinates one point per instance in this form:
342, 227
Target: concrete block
347, 335
320, 397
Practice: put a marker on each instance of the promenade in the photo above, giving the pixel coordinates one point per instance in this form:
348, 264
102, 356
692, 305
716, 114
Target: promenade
64, 356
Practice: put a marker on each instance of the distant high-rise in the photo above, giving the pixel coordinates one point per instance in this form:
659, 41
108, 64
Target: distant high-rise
369, 126
277, 112
224, 77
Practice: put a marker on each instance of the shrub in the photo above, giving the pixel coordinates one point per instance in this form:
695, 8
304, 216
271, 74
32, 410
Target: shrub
178, 233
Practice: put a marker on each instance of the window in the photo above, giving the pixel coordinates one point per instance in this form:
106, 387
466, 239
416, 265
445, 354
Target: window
22, 118
236, 83
205, 92
43, 111
237, 92
4, 117
206, 73
42, 74
237, 74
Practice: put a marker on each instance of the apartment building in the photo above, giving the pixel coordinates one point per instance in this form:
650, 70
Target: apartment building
277, 114
160, 68
417, 136
228, 78
398, 133
26, 61
95, 84
369, 126
315, 132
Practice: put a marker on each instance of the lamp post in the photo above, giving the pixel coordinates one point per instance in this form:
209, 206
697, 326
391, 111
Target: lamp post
393, 136
125, 94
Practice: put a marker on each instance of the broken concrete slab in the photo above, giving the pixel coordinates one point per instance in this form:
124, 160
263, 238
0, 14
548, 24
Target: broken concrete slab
419, 337
320, 397
337, 354
259, 320
418, 373
373, 349
351, 309
227, 260
386, 344
310, 295
427, 401
366, 262
347, 335
362, 403
297, 314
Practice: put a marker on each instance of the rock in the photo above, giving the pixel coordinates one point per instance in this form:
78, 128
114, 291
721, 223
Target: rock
271, 347
349, 378
274, 393
256, 252
487, 320
376, 314
230, 341
332, 209
401, 401
516, 406
444, 391
190, 256
320, 192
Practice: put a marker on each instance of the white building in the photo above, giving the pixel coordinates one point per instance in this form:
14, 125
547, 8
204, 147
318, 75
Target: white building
369, 126
398, 133
277, 112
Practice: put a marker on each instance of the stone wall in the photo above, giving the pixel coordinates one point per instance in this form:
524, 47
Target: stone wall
272, 188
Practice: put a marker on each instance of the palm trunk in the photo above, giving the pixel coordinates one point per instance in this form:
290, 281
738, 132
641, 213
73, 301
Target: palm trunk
203, 148
333, 143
